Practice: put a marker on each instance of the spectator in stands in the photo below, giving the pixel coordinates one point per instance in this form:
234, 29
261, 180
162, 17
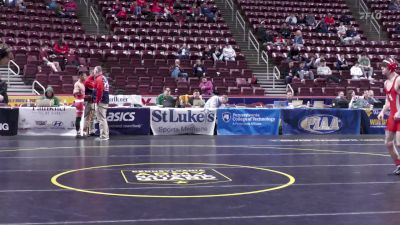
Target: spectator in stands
279, 40
121, 14
359, 102
101, 93
136, 7
60, 47
206, 86
194, 12
365, 64
345, 19
341, 31
371, 98
70, 6
289, 96
48, 60
20, 4
217, 55
168, 11
177, 71
178, 5
298, 40
49, 95
307, 20
72, 58
322, 27
5, 54
197, 100
156, 8
285, 31
183, 52
264, 36
324, 71
318, 60
3, 92
291, 19
53, 5
356, 72
339, 100
394, 5
198, 69
305, 73
216, 102
310, 61
341, 63
228, 53
116, 7
290, 71
351, 35
329, 20
165, 99
207, 54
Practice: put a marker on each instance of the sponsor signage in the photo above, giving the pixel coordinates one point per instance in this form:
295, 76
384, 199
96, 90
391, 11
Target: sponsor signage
8, 121
182, 121
47, 121
120, 100
320, 121
248, 121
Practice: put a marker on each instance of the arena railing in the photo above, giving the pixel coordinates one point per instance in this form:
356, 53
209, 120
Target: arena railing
371, 17
34, 91
265, 58
93, 16
11, 72
289, 87
276, 75
253, 41
230, 4
242, 23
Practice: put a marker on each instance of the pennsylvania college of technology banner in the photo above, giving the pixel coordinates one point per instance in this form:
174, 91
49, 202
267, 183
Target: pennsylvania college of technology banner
321, 121
128, 121
248, 121
8, 121
182, 121
47, 121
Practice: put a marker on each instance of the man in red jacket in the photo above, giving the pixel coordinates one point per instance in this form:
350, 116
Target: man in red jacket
101, 93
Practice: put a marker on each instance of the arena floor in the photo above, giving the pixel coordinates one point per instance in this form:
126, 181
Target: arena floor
198, 180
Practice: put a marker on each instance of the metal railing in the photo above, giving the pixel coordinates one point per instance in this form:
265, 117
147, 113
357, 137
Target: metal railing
93, 16
11, 72
87, 6
34, 89
265, 58
253, 42
230, 4
276, 75
289, 87
242, 23
376, 26
365, 14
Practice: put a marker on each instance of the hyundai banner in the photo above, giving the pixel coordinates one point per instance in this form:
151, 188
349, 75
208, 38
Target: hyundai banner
128, 121
182, 121
8, 121
320, 121
47, 121
248, 121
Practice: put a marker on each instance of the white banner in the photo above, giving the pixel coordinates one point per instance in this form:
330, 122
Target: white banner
121, 99
173, 121
47, 121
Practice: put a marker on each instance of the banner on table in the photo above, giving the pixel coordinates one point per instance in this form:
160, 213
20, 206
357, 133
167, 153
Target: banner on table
370, 122
248, 121
127, 121
47, 121
320, 121
8, 122
182, 121
120, 100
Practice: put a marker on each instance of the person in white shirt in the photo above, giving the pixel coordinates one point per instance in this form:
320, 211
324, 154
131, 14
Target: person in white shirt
216, 102
356, 72
228, 53
291, 20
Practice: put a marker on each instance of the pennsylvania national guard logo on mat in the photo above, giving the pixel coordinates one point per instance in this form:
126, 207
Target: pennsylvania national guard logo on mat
174, 176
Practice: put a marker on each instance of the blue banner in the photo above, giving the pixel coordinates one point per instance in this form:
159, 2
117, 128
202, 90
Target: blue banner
370, 122
128, 121
248, 121
321, 121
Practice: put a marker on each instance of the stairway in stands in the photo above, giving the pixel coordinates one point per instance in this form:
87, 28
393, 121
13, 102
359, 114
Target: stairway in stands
264, 77
83, 15
16, 86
